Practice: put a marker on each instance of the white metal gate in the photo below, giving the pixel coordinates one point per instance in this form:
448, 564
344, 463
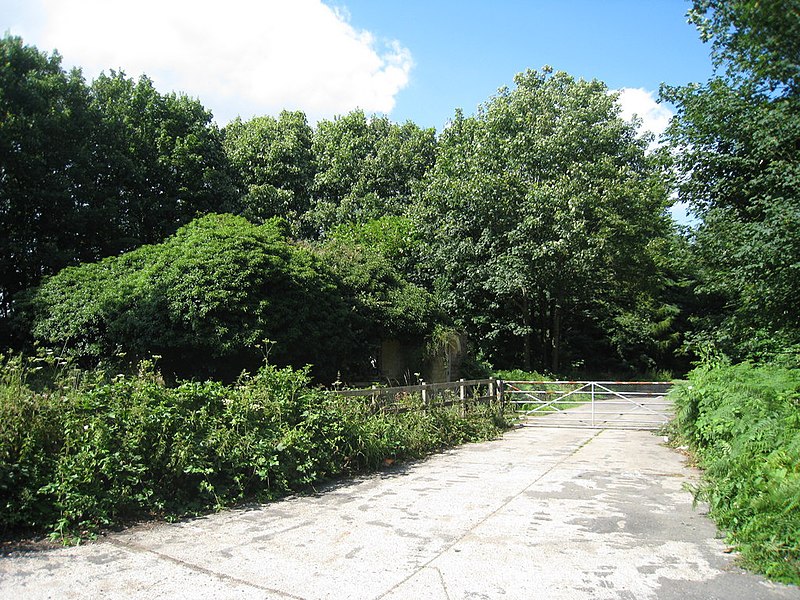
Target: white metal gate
591, 404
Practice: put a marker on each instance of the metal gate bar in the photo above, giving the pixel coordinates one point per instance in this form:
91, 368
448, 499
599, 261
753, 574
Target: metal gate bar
591, 404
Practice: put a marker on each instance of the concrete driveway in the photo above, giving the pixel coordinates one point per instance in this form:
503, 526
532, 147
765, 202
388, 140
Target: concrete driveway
543, 513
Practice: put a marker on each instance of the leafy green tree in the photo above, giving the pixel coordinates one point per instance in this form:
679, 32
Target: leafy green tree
366, 168
385, 305
540, 210
160, 163
743, 181
46, 133
92, 171
274, 162
649, 334
753, 40
368, 258
394, 237
205, 300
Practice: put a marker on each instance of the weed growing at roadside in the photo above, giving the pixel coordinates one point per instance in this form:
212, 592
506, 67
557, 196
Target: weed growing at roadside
743, 424
89, 451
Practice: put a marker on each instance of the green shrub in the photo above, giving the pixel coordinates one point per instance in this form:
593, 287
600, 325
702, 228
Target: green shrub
202, 300
87, 451
743, 424
520, 375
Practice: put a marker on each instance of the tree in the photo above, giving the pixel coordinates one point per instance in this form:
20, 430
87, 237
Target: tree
369, 258
396, 238
46, 134
274, 163
743, 181
88, 172
366, 168
753, 40
160, 162
540, 210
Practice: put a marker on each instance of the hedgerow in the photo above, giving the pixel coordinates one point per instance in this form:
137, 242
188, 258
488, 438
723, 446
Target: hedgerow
83, 452
742, 422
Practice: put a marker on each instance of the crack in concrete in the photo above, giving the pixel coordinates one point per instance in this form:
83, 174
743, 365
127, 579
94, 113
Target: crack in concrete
198, 569
505, 503
441, 579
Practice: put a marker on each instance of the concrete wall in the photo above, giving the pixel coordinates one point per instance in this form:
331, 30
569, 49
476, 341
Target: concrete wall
403, 362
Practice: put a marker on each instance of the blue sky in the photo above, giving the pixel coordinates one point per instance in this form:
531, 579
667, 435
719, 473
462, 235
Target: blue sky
410, 59
463, 51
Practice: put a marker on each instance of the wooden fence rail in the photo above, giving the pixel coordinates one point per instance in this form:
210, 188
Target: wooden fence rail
428, 395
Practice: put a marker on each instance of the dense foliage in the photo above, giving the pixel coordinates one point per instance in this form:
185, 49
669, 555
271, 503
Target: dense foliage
274, 163
207, 298
542, 211
742, 423
743, 181
532, 249
539, 223
366, 168
85, 452
90, 171
203, 300
753, 39
130, 225
43, 156
372, 260
735, 141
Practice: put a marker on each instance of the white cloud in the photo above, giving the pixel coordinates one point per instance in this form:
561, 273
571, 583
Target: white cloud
637, 101
655, 118
239, 57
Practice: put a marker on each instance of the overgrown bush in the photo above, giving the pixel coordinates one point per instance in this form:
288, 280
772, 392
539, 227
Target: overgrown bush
203, 300
88, 451
743, 424
371, 259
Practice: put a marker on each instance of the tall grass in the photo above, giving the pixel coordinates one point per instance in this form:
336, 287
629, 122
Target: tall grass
80, 451
743, 424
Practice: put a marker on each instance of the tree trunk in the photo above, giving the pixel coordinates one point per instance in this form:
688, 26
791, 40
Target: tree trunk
556, 350
544, 332
526, 321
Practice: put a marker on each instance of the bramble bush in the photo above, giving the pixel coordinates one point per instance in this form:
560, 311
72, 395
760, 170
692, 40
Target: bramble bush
85, 451
742, 423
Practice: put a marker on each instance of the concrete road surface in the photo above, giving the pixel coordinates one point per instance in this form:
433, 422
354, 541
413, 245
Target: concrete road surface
541, 514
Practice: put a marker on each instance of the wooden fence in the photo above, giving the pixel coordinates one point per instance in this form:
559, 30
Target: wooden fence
428, 395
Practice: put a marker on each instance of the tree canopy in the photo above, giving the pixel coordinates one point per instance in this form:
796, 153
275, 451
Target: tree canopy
537, 226
92, 171
44, 154
274, 162
753, 40
540, 210
366, 168
221, 293
743, 181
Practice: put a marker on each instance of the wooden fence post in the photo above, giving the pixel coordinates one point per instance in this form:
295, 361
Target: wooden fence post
462, 394
501, 397
424, 394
